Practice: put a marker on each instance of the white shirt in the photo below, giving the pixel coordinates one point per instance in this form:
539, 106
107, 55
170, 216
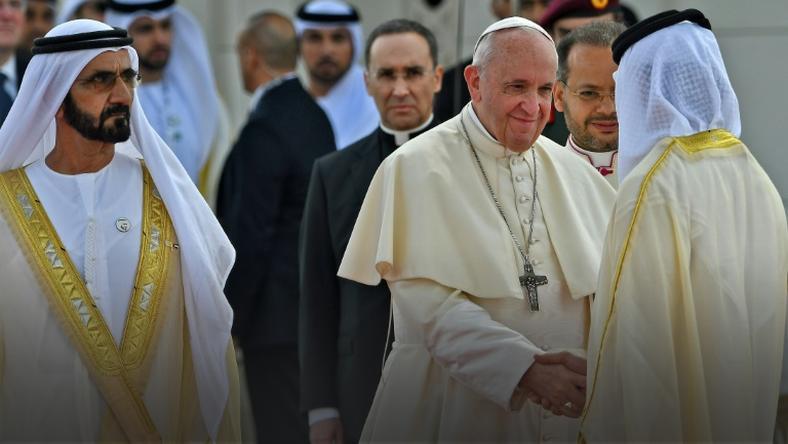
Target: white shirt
85, 209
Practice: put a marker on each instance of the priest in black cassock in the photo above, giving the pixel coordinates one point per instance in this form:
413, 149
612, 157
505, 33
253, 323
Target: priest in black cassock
343, 324
261, 201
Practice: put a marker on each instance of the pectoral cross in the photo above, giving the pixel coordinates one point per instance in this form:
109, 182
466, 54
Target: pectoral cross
530, 281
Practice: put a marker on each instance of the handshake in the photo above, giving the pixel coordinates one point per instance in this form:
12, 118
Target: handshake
557, 382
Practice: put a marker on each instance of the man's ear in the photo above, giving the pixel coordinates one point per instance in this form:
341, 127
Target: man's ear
438, 78
366, 80
473, 79
559, 89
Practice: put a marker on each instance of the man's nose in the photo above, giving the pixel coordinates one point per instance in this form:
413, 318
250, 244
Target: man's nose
160, 35
529, 103
607, 104
401, 88
121, 92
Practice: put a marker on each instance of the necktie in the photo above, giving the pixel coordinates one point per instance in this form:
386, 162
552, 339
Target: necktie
5, 99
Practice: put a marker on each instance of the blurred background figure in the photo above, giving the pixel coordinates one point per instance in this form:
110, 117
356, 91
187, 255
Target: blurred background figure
562, 16
77, 9
263, 189
13, 61
177, 92
530, 9
39, 19
454, 92
331, 44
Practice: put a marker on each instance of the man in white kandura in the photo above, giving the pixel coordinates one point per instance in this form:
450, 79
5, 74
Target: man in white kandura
479, 226
331, 45
113, 324
178, 91
688, 323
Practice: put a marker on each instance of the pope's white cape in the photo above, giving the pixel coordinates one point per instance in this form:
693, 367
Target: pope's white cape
410, 227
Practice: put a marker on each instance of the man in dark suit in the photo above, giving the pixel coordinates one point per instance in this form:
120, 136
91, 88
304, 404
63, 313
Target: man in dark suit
343, 325
262, 194
12, 62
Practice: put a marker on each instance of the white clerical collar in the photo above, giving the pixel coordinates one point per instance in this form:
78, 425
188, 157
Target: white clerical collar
599, 160
401, 137
265, 87
481, 127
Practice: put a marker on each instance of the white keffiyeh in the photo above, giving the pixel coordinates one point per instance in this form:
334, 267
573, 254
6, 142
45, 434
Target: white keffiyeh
671, 83
349, 108
189, 80
206, 254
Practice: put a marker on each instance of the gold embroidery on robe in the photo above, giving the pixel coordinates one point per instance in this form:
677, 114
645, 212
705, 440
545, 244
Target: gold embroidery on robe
109, 366
149, 282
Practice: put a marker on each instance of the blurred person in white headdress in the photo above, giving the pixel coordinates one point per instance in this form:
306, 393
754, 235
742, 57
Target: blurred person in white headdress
177, 91
688, 323
39, 19
113, 323
331, 45
81, 9
479, 226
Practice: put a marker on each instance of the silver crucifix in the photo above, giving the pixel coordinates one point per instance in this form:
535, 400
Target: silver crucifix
530, 281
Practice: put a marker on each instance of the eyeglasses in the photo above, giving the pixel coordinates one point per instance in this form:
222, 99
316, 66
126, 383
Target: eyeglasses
104, 81
590, 95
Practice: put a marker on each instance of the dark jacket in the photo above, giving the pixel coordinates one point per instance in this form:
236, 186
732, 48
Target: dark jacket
343, 324
261, 201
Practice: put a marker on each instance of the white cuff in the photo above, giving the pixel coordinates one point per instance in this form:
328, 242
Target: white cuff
321, 414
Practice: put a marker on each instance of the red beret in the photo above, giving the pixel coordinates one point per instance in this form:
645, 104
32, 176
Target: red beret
558, 9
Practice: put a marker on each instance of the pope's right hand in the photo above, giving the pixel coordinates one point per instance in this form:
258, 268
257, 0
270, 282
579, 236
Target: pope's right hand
327, 431
558, 380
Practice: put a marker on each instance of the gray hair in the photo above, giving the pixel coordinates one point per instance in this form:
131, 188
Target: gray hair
600, 33
486, 50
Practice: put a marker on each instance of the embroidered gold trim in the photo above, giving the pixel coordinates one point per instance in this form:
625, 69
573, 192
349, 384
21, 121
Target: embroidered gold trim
151, 275
72, 301
619, 266
707, 140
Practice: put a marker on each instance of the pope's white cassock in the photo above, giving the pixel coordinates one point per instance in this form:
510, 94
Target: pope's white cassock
687, 331
113, 325
464, 335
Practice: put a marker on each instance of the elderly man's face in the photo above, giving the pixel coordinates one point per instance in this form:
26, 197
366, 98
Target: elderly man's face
402, 79
98, 104
153, 41
512, 94
11, 20
586, 99
327, 53
39, 19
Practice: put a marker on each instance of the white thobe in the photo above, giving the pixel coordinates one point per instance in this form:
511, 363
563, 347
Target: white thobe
688, 324
90, 212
